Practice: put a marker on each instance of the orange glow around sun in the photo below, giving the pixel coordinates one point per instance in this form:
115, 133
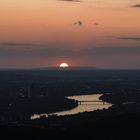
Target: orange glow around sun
63, 65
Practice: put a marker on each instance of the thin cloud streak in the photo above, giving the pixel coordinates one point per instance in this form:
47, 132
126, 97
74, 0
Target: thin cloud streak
130, 38
70, 0
19, 44
137, 5
134, 38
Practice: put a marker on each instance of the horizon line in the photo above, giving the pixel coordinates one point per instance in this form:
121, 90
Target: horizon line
68, 68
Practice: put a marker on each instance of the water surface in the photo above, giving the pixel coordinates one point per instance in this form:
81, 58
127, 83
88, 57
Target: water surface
82, 107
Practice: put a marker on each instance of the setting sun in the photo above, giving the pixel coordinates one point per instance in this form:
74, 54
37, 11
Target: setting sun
63, 65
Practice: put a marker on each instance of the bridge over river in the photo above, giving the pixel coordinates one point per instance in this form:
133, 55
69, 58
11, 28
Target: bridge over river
91, 101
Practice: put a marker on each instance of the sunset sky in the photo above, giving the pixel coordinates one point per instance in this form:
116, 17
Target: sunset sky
42, 33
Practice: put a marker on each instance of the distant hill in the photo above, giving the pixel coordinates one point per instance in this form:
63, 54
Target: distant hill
52, 68
68, 68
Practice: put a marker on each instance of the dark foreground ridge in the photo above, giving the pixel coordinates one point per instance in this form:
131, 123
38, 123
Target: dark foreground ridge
114, 128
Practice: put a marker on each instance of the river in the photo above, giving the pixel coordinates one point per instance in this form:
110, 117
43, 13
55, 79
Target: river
82, 107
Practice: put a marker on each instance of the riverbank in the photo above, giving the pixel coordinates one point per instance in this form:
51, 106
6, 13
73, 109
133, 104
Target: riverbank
18, 110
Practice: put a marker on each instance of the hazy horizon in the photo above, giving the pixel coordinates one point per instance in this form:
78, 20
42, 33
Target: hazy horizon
83, 68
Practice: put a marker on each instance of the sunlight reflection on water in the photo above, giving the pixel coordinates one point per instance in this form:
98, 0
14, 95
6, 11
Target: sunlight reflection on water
84, 106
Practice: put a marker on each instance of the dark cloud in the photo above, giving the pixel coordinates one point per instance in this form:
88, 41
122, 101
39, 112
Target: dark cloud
96, 24
137, 6
80, 23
